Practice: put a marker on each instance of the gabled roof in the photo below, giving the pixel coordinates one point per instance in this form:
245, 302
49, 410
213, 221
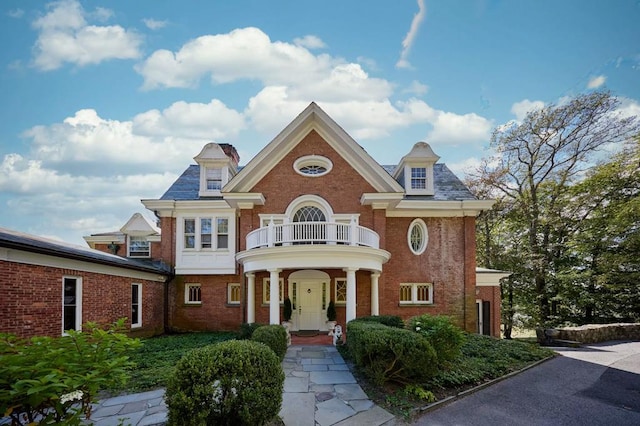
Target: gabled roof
35, 244
139, 225
312, 118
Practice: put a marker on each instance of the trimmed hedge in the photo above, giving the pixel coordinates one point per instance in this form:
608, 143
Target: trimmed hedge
388, 320
274, 336
446, 338
389, 353
237, 382
247, 329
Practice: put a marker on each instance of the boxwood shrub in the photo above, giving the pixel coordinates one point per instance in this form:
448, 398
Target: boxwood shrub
389, 320
390, 354
446, 338
274, 336
237, 382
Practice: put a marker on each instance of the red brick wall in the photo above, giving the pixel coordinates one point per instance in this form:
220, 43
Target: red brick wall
492, 295
32, 300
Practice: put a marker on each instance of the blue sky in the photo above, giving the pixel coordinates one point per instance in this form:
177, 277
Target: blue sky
105, 103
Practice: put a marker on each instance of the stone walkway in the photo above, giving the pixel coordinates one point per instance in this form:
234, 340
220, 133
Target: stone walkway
319, 390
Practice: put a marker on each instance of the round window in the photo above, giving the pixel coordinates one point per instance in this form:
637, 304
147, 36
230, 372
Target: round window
417, 236
312, 165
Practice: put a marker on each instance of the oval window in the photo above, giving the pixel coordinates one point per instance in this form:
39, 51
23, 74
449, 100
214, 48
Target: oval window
312, 165
417, 236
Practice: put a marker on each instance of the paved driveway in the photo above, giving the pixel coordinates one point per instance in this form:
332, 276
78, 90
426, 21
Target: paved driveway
595, 385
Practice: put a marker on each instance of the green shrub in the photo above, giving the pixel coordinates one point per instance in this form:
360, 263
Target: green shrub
446, 338
390, 354
247, 329
57, 379
274, 336
237, 382
389, 320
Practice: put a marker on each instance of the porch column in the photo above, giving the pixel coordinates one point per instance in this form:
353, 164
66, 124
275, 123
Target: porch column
274, 296
351, 293
251, 298
375, 307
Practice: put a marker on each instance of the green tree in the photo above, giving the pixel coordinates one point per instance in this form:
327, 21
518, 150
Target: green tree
537, 161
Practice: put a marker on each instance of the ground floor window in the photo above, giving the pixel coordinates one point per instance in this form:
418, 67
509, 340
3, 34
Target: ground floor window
233, 294
416, 294
136, 305
341, 291
266, 290
192, 294
71, 303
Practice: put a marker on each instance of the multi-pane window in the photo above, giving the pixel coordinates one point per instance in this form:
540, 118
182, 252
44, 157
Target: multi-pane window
205, 233
192, 294
139, 247
233, 295
418, 178
71, 303
136, 305
214, 179
417, 236
266, 290
416, 294
189, 233
341, 291
223, 233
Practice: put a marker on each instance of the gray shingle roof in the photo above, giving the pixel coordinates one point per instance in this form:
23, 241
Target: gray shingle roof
447, 186
32, 243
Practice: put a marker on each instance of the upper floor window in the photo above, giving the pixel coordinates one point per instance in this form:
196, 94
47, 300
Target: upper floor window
214, 179
309, 214
139, 247
417, 236
208, 233
222, 232
312, 165
418, 178
189, 233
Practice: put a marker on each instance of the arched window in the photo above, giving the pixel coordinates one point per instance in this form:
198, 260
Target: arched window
309, 214
417, 236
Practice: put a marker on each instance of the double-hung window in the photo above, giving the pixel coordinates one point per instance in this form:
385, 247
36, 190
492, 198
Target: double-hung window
189, 233
206, 233
139, 247
416, 294
418, 178
214, 179
71, 303
223, 233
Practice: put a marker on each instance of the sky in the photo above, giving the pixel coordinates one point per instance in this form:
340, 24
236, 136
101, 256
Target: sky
104, 103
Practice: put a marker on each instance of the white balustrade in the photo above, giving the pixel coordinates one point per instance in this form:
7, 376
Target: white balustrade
312, 233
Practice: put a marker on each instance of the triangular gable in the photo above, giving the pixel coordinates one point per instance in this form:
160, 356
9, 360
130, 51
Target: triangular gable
312, 118
139, 225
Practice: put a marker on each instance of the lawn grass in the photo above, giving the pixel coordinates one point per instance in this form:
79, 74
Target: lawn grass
157, 356
482, 359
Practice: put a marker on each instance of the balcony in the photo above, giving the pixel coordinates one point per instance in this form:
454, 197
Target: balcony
312, 233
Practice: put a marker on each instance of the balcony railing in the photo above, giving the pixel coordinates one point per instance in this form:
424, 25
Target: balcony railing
312, 233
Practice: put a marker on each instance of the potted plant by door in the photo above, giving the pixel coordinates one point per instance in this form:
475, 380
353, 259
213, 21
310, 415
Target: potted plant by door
286, 315
331, 317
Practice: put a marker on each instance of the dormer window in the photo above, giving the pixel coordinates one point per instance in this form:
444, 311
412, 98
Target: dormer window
418, 178
139, 247
218, 164
214, 179
415, 171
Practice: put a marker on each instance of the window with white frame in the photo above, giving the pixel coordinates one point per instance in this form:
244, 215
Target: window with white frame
206, 233
341, 291
136, 305
71, 303
418, 178
233, 293
417, 236
416, 294
213, 179
139, 247
266, 290
192, 294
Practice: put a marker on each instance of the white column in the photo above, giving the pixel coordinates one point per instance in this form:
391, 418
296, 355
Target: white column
274, 296
351, 293
251, 298
375, 307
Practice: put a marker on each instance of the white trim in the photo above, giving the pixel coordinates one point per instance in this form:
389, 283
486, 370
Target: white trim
139, 319
78, 305
479, 317
309, 200
312, 160
129, 237
266, 285
414, 294
187, 294
425, 236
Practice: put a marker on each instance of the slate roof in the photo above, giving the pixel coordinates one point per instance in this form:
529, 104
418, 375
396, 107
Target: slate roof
447, 186
32, 243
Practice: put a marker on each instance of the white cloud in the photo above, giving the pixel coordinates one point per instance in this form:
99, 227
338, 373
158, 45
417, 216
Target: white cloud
65, 36
310, 42
15, 13
522, 108
454, 129
407, 43
596, 81
464, 167
154, 24
416, 88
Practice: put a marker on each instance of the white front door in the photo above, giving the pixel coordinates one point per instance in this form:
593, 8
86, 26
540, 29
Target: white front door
309, 305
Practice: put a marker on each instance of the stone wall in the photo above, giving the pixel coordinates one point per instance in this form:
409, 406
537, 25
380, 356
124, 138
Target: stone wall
594, 333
